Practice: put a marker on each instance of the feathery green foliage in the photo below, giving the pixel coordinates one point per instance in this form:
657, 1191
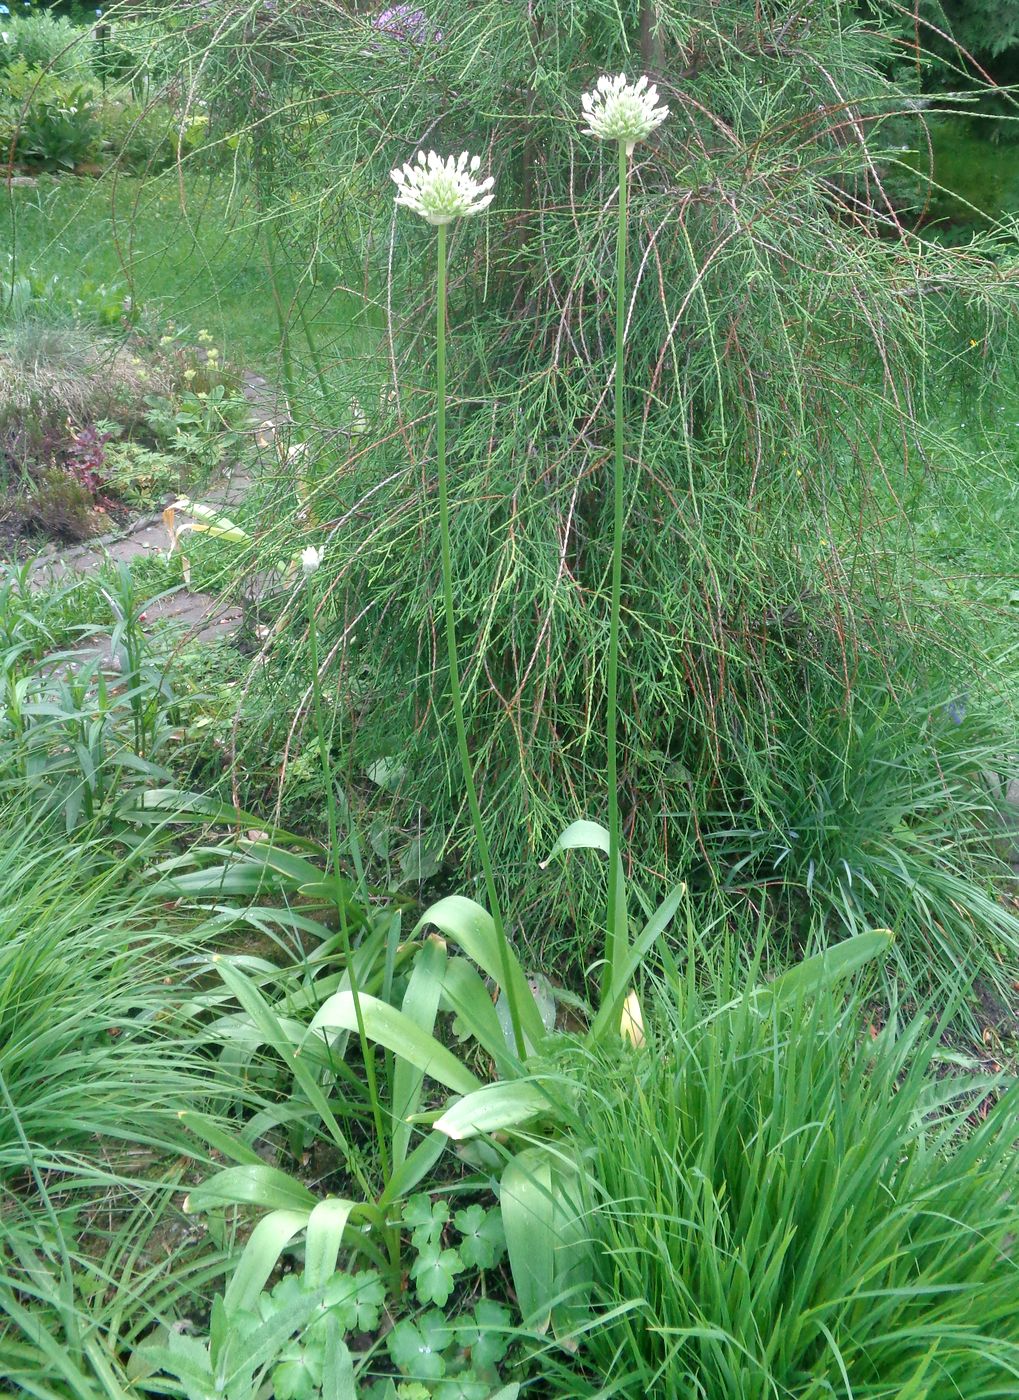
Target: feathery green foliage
788, 337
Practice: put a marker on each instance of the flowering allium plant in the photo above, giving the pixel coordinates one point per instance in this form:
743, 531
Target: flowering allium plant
620, 111
443, 190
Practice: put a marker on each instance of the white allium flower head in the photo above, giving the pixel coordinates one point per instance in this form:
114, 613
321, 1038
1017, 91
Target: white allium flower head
443, 190
311, 558
620, 111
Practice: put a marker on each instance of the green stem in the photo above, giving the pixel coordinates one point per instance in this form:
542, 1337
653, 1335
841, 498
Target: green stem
612, 679
286, 357
316, 358
367, 1051
454, 666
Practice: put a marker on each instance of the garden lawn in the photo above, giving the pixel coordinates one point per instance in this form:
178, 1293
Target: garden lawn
189, 250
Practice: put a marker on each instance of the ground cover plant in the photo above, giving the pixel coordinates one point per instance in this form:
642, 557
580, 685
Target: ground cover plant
566, 934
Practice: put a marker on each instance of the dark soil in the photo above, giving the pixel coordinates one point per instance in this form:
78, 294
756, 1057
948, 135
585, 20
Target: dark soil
15, 544
22, 536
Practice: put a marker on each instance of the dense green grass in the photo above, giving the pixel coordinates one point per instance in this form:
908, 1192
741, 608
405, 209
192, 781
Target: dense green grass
190, 251
96, 1062
793, 1207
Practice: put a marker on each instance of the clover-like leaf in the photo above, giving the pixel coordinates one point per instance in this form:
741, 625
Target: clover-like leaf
463, 1387
298, 1376
433, 1273
484, 1241
356, 1300
485, 1334
416, 1347
425, 1219
288, 1291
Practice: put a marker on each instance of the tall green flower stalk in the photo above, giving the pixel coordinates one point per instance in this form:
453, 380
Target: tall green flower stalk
625, 113
616, 591
441, 191
310, 561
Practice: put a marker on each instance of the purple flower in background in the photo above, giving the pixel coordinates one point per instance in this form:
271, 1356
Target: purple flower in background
956, 709
407, 23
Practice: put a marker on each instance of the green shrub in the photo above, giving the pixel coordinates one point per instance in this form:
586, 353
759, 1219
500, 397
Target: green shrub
143, 139
794, 1207
47, 121
779, 379
47, 42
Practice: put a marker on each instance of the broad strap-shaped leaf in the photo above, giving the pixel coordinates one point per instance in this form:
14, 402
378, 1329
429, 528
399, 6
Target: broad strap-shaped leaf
525, 1196
574, 1257
170, 801
277, 1034
591, 836
472, 929
260, 1256
548, 1237
815, 973
235, 879
338, 1364
218, 1138
493, 1108
250, 1185
298, 871
420, 1005
414, 1169
326, 1225
465, 995
397, 1032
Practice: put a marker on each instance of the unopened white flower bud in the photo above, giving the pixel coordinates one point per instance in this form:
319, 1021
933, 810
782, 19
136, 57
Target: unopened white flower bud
311, 558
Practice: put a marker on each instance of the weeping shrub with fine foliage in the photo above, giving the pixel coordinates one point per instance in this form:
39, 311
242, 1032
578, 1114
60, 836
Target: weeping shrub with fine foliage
789, 332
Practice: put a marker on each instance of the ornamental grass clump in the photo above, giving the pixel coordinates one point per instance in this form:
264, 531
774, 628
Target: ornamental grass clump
797, 1203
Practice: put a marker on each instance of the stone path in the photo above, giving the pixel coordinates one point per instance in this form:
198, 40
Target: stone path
203, 616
